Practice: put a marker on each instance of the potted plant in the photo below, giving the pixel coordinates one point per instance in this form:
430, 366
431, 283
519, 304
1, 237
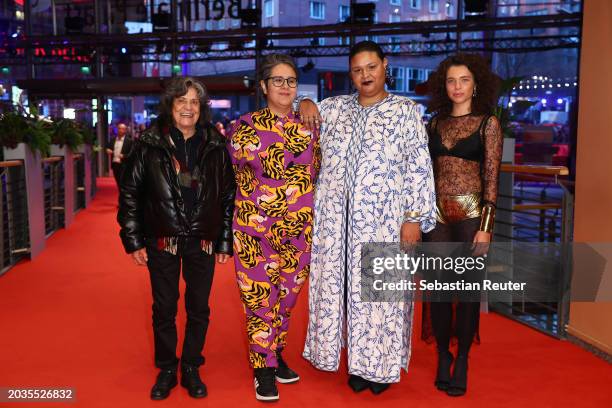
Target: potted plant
16, 128
66, 132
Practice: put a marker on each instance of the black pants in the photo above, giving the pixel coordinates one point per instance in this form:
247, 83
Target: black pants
463, 321
117, 171
164, 270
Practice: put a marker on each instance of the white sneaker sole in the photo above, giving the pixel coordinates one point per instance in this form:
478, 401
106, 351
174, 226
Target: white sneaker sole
287, 381
262, 398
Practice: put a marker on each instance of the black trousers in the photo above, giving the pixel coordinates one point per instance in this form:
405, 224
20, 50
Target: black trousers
117, 171
164, 269
449, 320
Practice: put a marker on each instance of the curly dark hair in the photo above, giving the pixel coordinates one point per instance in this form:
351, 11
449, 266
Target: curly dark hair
487, 85
177, 87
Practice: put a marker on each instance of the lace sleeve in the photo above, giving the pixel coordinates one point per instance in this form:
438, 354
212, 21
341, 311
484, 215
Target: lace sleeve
493, 140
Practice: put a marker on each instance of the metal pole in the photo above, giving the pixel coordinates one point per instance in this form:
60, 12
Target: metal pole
173, 29
54, 16
458, 20
259, 42
27, 11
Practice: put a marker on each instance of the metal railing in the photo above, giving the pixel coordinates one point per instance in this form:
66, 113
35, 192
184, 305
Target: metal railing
53, 185
14, 204
536, 215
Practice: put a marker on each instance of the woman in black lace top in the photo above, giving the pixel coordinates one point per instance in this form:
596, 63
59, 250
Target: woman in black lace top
465, 142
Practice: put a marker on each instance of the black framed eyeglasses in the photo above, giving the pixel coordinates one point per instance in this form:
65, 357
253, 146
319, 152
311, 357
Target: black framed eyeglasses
278, 81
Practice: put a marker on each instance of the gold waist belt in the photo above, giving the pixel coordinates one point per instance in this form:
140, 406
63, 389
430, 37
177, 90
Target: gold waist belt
455, 208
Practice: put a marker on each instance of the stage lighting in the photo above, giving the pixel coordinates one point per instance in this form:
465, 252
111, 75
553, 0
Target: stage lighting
475, 8
250, 18
308, 66
85, 70
363, 13
161, 21
6, 70
176, 69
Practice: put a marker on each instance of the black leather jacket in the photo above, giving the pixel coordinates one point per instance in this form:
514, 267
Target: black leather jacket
150, 201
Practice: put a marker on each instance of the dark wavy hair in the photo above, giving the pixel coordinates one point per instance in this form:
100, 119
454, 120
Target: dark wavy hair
487, 85
177, 87
271, 60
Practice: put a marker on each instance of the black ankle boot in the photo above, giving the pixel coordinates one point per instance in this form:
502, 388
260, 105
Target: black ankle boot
166, 381
190, 379
458, 383
443, 375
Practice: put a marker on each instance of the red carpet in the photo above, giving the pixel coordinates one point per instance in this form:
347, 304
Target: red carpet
80, 316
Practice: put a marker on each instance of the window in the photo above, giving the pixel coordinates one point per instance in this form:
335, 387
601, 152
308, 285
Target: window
317, 41
317, 10
375, 17
344, 13
415, 76
268, 8
235, 23
395, 47
372, 38
395, 2
450, 9
221, 24
209, 25
394, 18
344, 40
415, 4
397, 79
434, 6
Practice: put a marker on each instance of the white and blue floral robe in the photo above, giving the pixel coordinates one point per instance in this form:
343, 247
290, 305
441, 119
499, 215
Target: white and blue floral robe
375, 168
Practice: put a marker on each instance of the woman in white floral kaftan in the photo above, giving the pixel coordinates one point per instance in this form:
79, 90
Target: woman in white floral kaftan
375, 185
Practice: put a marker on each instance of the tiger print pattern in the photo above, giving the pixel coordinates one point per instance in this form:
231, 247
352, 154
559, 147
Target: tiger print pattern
255, 295
257, 360
300, 278
258, 331
265, 120
245, 179
273, 201
297, 139
299, 181
290, 226
273, 272
248, 249
275, 166
308, 237
247, 215
272, 161
245, 141
289, 257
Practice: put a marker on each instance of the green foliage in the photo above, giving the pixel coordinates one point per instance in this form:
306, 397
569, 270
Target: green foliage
502, 111
67, 132
88, 133
16, 128
39, 134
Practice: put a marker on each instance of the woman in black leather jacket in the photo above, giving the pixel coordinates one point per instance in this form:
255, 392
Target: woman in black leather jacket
175, 210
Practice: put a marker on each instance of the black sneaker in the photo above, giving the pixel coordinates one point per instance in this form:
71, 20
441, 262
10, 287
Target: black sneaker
284, 374
265, 385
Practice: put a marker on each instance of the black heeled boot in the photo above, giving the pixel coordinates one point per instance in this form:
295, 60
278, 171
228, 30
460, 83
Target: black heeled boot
458, 383
443, 374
